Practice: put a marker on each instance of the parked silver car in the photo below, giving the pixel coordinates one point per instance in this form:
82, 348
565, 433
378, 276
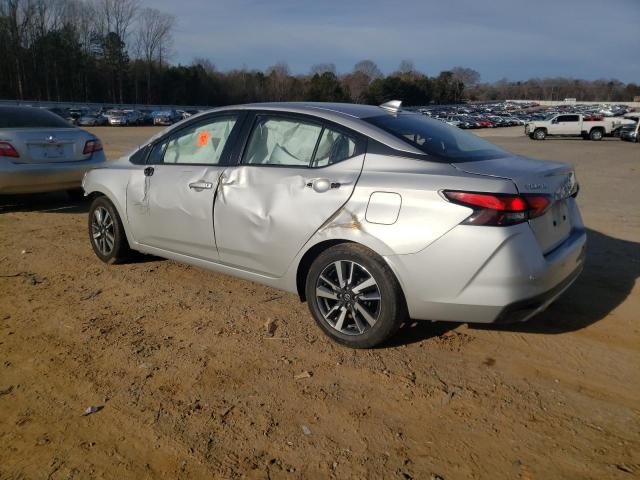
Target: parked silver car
370, 214
41, 152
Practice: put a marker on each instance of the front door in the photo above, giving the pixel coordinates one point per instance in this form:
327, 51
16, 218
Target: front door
170, 201
293, 176
567, 125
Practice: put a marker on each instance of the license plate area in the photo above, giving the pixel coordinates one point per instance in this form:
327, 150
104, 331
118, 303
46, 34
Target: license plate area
53, 151
553, 227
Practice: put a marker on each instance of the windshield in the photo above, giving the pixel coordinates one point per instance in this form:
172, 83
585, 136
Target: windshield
437, 138
27, 117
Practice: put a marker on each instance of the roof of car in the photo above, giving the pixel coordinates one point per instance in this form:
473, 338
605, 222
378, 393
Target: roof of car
348, 109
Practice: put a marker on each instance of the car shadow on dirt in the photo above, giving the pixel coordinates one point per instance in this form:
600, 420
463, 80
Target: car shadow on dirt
418, 331
611, 270
54, 202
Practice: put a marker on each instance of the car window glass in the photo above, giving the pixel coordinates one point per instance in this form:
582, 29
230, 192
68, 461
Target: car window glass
29, 117
155, 157
199, 144
333, 147
279, 141
437, 138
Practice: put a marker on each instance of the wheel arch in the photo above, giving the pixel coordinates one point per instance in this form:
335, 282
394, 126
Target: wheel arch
94, 191
307, 259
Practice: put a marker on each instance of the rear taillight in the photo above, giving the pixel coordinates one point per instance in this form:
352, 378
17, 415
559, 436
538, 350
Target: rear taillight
499, 209
7, 150
92, 146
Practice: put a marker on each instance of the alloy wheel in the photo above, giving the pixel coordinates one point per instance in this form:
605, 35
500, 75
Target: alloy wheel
348, 297
103, 230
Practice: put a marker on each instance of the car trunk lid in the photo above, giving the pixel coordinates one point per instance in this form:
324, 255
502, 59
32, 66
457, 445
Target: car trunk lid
49, 146
553, 179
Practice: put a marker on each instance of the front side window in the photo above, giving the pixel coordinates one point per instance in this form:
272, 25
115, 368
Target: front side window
199, 144
568, 118
437, 138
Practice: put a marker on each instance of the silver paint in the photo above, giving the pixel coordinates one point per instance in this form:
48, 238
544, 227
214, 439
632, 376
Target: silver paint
257, 222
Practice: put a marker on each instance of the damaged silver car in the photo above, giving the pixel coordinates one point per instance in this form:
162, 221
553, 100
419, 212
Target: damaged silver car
370, 214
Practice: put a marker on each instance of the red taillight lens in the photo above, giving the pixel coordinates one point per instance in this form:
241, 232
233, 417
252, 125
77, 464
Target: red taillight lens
499, 209
487, 200
7, 150
538, 204
92, 146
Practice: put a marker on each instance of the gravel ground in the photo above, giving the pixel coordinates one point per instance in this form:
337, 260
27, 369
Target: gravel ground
188, 384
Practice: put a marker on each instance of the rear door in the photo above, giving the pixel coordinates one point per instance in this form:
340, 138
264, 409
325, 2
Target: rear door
294, 173
170, 200
554, 179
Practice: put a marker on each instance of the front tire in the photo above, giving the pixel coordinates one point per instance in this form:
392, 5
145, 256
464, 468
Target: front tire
596, 134
354, 296
540, 134
106, 233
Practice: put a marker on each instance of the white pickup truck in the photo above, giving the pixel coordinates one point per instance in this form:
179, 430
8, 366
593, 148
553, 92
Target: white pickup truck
572, 125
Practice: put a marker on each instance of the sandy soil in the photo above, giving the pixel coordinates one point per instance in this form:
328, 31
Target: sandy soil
189, 384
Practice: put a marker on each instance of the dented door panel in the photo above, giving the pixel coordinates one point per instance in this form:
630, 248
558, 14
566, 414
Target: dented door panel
172, 209
263, 215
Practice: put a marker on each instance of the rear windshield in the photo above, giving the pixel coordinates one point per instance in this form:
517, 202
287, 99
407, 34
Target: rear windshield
24, 117
437, 138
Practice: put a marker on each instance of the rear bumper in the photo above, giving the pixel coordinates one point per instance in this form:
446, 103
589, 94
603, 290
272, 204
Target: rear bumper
497, 275
45, 177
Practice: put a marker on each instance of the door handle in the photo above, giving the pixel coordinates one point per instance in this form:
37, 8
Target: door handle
321, 185
201, 185
148, 171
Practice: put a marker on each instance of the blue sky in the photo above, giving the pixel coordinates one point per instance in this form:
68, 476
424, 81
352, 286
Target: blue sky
500, 38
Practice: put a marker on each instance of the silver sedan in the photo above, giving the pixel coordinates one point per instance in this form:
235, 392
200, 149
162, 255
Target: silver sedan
370, 214
41, 152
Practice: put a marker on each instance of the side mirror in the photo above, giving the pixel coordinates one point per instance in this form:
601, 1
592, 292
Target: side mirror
555, 120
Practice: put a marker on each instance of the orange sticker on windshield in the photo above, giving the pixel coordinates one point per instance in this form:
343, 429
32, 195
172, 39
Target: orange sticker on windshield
203, 138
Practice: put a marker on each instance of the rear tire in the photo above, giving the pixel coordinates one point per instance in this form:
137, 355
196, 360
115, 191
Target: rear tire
106, 233
596, 134
361, 308
539, 134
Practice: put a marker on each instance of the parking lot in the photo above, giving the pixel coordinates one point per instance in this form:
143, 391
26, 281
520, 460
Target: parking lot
200, 375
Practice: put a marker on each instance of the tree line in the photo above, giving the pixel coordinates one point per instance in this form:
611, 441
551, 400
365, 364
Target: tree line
116, 51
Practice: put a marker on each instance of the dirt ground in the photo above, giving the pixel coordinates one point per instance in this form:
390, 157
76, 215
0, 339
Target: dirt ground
189, 384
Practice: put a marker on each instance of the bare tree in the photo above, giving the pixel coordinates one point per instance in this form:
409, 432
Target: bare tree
320, 68
369, 68
154, 38
468, 76
278, 81
117, 16
406, 67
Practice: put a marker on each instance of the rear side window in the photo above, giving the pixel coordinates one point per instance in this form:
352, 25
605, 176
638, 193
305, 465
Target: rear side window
333, 148
568, 118
296, 143
27, 117
201, 144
